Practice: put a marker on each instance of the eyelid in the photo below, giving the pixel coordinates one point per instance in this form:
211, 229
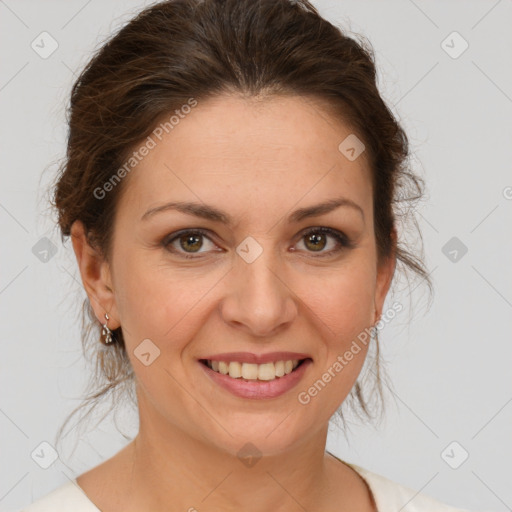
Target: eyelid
169, 239
343, 241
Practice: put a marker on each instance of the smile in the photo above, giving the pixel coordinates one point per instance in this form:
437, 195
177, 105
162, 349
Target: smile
252, 371
256, 381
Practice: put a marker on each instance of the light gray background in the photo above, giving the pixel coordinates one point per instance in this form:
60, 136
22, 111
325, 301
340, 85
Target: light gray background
450, 369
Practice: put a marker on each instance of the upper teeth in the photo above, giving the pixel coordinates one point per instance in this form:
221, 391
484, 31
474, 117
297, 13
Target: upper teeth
251, 371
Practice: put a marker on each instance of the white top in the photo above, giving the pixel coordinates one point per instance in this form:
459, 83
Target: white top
388, 495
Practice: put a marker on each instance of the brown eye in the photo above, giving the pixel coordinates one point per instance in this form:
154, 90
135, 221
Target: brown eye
188, 242
317, 239
192, 242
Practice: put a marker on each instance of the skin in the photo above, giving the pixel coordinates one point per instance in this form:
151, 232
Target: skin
258, 161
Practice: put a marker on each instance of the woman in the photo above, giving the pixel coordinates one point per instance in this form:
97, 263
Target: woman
229, 190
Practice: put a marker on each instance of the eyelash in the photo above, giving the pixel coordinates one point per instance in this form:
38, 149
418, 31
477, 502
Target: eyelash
343, 241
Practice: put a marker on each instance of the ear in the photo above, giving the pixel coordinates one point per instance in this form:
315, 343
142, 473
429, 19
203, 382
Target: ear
96, 277
385, 272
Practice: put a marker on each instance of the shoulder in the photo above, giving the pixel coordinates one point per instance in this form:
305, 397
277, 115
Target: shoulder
63, 499
391, 496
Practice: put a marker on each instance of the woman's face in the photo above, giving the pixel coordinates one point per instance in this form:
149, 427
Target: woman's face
253, 280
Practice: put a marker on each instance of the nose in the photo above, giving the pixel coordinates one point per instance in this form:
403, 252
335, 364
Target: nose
259, 300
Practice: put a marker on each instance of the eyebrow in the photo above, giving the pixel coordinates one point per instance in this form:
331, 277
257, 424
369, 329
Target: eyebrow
214, 214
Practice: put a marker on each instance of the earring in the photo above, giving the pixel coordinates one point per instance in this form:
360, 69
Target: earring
373, 332
106, 332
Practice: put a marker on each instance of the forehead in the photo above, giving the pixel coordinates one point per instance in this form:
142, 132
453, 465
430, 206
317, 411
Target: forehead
269, 154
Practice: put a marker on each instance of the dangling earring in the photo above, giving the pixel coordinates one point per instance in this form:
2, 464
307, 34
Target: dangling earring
373, 331
106, 333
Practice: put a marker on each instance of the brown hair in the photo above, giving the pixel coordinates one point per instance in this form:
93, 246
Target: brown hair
179, 49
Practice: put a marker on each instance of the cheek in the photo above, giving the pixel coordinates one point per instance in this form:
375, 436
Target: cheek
344, 304
343, 300
159, 302
346, 309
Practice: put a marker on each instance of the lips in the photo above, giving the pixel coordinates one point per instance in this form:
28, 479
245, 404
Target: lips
256, 388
